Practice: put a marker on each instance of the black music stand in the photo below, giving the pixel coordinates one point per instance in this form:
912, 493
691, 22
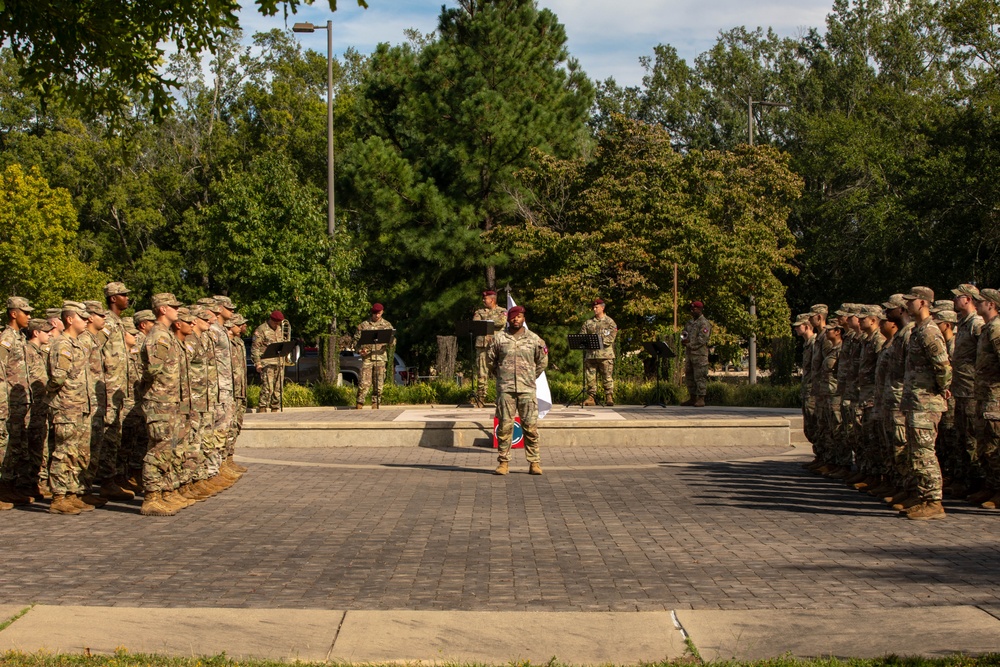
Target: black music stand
583, 342
279, 351
473, 329
659, 351
378, 337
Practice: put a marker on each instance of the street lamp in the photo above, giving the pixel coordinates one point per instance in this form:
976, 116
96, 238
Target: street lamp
331, 225
753, 301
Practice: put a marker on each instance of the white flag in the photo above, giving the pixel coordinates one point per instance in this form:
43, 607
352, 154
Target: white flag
542, 392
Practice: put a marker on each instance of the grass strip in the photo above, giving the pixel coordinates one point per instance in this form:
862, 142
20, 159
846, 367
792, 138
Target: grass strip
6, 624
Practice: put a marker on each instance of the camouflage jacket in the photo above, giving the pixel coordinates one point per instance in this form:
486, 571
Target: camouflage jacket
98, 387
829, 370
870, 347
518, 360
963, 359
69, 387
808, 349
238, 357
882, 373
928, 370
823, 347
223, 358
606, 331
988, 363
38, 371
698, 333
845, 381
263, 336
895, 368
135, 363
497, 315
372, 352
162, 363
13, 359
114, 354
202, 374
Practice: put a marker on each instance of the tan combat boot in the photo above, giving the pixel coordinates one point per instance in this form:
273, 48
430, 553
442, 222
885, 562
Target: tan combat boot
94, 501
153, 505
204, 489
9, 494
359, 406
699, 402
610, 402
78, 502
61, 505
112, 490
502, 469
588, 402
535, 468
910, 502
930, 510
236, 466
185, 492
981, 496
176, 501
992, 504
6, 506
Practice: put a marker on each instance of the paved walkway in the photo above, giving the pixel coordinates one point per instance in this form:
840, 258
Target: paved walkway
640, 531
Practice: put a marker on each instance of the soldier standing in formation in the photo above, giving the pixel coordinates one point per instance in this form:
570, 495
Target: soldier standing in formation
602, 360
374, 359
697, 332
493, 313
518, 356
16, 479
268, 369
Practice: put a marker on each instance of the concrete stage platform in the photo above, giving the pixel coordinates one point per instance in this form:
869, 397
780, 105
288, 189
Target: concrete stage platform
443, 426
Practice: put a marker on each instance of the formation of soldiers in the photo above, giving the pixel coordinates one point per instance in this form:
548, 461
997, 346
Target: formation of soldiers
98, 407
902, 399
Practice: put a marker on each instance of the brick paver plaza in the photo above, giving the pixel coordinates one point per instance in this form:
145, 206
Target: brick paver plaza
620, 529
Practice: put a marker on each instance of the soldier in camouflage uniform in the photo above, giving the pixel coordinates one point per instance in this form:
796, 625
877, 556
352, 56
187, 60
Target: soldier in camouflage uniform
226, 410
54, 316
519, 357
162, 363
37, 356
135, 437
831, 420
804, 330
374, 359
817, 319
884, 460
69, 397
268, 369
204, 389
95, 337
18, 477
846, 373
869, 443
987, 389
237, 324
494, 313
947, 440
118, 387
926, 389
893, 419
602, 360
968, 474
695, 336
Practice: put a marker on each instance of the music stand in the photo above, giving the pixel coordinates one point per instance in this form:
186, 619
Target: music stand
279, 351
474, 329
582, 342
377, 337
659, 351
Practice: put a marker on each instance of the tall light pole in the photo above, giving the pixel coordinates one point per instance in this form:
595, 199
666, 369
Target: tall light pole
752, 352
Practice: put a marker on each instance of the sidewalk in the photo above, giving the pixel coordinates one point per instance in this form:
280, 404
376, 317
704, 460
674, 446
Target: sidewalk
498, 638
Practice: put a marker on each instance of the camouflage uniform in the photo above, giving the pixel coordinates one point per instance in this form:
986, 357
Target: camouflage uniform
119, 398
893, 419
963, 386
135, 436
374, 360
697, 334
98, 397
884, 457
828, 403
868, 451
518, 360
926, 379
163, 361
70, 400
946, 446
201, 394
238, 356
821, 349
600, 361
38, 421
498, 316
810, 346
987, 389
270, 369
17, 469
225, 408
845, 391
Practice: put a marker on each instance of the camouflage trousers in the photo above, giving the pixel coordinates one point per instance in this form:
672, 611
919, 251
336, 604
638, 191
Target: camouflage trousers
946, 447
270, 389
167, 426
988, 441
968, 470
372, 379
135, 441
810, 427
189, 454
921, 436
39, 447
832, 420
111, 442
895, 452
869, 450
605, 368
237, 426
851, 420
483, 373
222, 423
696, 376
70, 452
524, 405
17, 467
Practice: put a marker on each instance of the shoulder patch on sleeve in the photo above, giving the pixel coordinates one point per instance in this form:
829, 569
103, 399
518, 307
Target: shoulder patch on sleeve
5, 343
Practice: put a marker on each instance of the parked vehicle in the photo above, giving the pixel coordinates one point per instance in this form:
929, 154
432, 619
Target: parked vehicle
350, 368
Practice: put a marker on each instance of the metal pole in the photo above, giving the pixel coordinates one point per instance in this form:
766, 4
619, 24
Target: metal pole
753, 340
331, 213
750, 119
675, 297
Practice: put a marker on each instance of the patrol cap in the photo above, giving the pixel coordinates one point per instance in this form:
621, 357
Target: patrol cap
201, 312
965, 289
947, 316
143, 316
920, 292
19, 303
377, 308
873, 311
237, 320
942, 304
96, 308
834, 325
991, 295
516, 310
165, 299
38, 324
224, 301
210, 303
894, 301
76, 307
802, 318
128, 324
114, 289
185, 315
53, 312
819, 309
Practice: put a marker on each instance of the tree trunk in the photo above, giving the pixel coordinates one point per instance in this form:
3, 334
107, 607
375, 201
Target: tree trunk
446, 357
329, 368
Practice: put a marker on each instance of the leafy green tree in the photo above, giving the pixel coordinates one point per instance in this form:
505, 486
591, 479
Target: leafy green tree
38, 254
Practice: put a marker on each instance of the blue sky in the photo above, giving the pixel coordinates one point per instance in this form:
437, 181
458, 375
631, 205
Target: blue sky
606, 36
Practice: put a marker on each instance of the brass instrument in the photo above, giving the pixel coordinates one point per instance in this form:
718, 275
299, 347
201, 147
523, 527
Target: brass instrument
292, 357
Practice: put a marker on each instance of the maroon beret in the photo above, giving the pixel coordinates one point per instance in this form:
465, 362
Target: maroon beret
597, 301
277, 316
377, 308
489, 292
697, 304
516, 310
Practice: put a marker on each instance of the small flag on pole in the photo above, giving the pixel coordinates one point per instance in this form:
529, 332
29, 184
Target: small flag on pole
542, 392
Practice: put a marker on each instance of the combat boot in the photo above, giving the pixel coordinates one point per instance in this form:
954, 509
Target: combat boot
6, 506
502, 469
840, 473
44, 491
185, 492
153, 505
205, 488
588, 402
535, 468
175, 501
236, 466
992, 504
78, 503
930, 510
981, 496
113, 491
811, 464
9, 494
376, 403
910, 501
359, 406
855, 478
61, 505
699, 402
610, 402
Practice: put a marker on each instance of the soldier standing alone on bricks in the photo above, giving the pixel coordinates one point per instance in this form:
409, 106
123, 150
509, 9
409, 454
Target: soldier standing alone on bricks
490, 311
695, 337
268, 369
374, 358
601, 360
